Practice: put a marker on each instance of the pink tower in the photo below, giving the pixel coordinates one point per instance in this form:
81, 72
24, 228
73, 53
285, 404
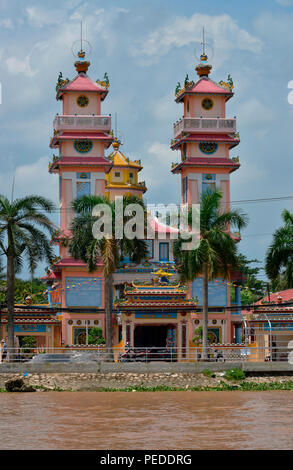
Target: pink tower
81, 135
205, 136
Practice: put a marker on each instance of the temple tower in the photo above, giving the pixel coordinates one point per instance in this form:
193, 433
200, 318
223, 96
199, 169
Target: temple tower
122, 179
204, 136
81, 135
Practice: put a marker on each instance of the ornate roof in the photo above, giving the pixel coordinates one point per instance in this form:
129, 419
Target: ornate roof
206, 162
83, 83
204, 86
119, 159
156, 294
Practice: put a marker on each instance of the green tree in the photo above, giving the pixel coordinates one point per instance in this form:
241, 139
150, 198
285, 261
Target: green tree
86, 247
279, 257
216, 253
255, 286
95, 336
23, 227
2, 270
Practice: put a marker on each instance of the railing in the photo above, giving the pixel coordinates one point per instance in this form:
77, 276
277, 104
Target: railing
84, 122
204, 124
94, 354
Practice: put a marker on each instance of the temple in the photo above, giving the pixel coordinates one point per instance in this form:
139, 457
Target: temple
151, 306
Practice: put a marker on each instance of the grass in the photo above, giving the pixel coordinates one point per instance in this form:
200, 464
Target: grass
242, 386
235, 374
208, 373
223, 386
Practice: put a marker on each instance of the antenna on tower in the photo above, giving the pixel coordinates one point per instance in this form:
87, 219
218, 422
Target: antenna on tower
203, 41
116, 125
204, 45
81, 35
12, 190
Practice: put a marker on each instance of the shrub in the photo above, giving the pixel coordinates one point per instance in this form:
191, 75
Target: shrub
95, 336
235, 374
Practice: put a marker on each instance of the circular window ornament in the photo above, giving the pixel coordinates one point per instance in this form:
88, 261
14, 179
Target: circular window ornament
196, 322
82, 101
70, 322
207, 103
96, 322
78, 322
83, 146
214, 322
208, 147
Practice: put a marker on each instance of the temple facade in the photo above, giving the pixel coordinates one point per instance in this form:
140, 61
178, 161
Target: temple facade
151, 306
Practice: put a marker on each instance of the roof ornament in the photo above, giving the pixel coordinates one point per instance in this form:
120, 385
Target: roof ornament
81, 49
203, 68
119, 139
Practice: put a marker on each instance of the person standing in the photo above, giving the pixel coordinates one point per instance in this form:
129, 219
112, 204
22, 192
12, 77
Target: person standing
4, 350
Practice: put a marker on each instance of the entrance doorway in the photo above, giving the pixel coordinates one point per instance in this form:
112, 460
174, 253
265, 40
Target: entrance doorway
148, 336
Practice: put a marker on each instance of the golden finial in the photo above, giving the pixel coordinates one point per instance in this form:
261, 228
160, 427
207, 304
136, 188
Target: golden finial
203, 68
116, 144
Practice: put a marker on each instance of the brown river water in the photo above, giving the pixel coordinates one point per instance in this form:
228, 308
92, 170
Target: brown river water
147, 420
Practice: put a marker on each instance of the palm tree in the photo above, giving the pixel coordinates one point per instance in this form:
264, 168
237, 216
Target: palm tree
216, 253
279, 257
86, 247
2, 272
22, 225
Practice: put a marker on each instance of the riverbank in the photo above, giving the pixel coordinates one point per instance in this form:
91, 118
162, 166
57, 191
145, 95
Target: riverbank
206, 381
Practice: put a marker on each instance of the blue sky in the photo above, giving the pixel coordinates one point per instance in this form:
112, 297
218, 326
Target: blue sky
146, 48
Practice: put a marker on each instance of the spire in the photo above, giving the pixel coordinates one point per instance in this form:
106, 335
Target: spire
81, 65
203, 68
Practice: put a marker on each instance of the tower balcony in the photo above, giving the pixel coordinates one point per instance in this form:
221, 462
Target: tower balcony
82, 122
203, 125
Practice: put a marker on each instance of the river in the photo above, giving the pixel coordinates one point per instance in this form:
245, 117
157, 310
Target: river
147, 420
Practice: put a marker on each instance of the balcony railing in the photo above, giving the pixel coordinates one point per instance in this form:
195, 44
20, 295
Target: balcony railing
204, 125
84, 122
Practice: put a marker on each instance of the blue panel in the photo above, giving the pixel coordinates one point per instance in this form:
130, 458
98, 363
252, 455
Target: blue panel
83, 189
217, 292
30, 328
164, 251
151, 315
83, 292
150, 248
184, 190
208, 177
83, 176
237, 334
208, 187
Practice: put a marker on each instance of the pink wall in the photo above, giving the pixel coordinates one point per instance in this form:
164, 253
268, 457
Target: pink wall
70, 105
196, 109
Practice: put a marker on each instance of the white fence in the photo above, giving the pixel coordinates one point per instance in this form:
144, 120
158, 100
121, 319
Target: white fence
83, 354
206, 124
86, 122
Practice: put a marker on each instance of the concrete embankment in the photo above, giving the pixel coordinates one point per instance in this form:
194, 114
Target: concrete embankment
81, 377
144, 368
126, 380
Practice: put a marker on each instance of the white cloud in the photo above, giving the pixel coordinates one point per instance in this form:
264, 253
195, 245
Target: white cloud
23, 66
183, 31
33, 178
40, 17
158, 164
165, 109
6, 23
252, 112
16, 66
285, 3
